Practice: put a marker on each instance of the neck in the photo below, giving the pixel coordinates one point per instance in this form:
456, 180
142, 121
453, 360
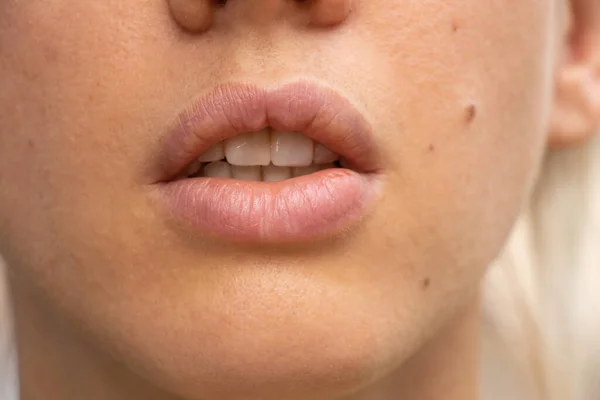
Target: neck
55, 362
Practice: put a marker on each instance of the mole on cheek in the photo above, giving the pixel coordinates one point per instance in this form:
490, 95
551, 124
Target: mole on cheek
471, 113
454, 26
426, 283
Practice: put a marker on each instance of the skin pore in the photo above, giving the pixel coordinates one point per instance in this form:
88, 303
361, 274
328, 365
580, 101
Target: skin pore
113, 302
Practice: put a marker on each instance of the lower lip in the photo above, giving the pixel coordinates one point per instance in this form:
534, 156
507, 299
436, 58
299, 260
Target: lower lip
319, 205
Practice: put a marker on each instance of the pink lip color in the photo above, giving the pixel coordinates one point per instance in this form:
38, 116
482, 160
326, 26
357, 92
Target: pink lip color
309, 207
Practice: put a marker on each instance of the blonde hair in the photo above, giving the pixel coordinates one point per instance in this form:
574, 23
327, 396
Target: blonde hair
541, 308
8, 351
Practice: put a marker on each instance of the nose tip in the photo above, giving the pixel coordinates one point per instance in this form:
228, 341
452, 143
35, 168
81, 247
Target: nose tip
198, 15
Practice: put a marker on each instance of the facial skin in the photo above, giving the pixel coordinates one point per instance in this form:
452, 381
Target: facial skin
460, 98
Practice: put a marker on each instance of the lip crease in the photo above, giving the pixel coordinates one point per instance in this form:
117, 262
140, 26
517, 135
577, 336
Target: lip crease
309, 207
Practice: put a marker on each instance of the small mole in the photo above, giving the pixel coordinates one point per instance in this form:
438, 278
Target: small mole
426, 283
471, 113
30, 144
431, 148
454, 26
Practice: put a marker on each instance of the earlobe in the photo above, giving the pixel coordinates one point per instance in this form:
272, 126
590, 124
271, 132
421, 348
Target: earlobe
576, 113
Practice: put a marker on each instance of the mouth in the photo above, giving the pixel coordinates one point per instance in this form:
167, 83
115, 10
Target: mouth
266, 155
292, 163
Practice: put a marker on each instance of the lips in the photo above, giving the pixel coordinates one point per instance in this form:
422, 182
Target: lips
309, 207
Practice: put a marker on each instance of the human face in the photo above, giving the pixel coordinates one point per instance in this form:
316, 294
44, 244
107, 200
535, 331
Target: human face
455, 97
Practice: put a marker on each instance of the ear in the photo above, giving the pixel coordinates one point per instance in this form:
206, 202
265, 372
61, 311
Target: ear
576, 114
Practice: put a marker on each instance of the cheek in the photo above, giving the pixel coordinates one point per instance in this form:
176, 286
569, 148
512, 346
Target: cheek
72, 122
469, 91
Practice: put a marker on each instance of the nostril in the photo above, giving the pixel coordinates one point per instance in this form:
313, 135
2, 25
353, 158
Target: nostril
197, 16
328, 12
194, 15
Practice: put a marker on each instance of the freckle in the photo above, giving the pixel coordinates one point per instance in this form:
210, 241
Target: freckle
454, 26
431, 148
426, 283
30, 144
471, 113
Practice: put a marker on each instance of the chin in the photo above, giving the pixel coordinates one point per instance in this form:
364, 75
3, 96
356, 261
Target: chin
269, 339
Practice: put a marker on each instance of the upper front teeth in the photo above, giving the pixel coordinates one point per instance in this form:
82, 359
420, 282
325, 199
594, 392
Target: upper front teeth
249, 149
215, 153
284, 149
291, 149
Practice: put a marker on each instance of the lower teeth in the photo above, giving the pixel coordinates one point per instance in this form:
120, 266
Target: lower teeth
270, 173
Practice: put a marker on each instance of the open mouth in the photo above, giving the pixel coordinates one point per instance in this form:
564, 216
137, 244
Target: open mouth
267, 155
270, 165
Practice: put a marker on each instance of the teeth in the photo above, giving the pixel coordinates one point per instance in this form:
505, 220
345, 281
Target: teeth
269, 173
301, 171
249, 149
282, 155
291, 149
193, 168
215, 153
245, 173
323, 155
272, 173
219, 169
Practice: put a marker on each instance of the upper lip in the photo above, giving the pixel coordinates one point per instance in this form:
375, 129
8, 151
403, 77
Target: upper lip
318, 112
